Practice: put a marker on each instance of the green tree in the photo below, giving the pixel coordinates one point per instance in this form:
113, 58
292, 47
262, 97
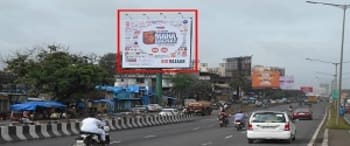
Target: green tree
54, 71
202, 89
182, 83
240, 80
108, 62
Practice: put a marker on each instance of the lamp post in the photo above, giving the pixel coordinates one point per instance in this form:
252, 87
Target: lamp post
335, 77
344, 7
328, 62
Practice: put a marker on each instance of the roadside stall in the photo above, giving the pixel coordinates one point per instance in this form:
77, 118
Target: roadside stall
37, 110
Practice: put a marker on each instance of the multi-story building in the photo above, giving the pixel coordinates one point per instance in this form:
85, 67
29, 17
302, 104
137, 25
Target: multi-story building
203, 67
235, 65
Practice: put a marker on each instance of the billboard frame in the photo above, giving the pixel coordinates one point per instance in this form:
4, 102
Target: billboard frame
191, 69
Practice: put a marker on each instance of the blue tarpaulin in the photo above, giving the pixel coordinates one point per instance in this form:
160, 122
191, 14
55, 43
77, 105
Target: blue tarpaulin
116, 90
109, 102
32, 105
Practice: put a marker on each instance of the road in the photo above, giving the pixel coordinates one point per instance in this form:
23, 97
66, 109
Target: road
202, 132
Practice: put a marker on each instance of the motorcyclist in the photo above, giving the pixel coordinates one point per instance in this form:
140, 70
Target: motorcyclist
92, 124
290, 109
222, 114
239, 116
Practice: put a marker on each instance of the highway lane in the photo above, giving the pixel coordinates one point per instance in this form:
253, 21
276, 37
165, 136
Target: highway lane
202, 132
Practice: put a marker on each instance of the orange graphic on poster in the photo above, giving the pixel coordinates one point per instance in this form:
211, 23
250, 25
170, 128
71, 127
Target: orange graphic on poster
265, 78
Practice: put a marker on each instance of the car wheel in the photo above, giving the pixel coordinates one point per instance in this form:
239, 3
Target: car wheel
295, 133
290, 140
250, 141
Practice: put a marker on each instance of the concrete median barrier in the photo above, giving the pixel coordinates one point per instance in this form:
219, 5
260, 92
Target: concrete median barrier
71, 127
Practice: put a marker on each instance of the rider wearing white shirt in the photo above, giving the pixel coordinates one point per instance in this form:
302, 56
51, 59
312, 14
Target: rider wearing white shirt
93, 125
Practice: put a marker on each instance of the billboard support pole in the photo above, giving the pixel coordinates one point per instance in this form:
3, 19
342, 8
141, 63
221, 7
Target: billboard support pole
159, 79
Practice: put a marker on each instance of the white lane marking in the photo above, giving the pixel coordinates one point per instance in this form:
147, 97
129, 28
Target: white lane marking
115, 142
229, 136
150, 136
197, 128
208, 143
313, 139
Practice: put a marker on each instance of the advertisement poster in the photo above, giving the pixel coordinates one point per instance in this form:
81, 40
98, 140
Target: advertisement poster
264, 77
306, 89
156, 43
286, 82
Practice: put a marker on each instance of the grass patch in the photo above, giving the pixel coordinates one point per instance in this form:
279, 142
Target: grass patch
331, 124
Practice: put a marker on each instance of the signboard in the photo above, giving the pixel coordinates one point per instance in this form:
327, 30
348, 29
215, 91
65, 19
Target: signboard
306, 89
156, 43
335, 94
264, 77
286, 82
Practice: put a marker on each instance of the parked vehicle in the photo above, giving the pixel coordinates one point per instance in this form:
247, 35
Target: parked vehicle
169, 112
270, 125
154, 108
302, 113
139, 109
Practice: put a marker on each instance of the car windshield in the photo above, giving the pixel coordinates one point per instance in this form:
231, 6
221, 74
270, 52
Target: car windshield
269, 117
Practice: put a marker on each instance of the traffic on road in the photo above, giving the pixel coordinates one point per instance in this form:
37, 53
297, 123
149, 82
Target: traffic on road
206, 131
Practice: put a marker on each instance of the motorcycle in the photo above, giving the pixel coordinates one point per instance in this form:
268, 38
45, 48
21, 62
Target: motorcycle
239, 124
92, 139
223, 120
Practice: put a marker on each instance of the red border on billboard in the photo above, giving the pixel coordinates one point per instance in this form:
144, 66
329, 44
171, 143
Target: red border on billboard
194, 69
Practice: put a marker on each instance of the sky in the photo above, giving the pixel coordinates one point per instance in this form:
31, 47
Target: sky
276, 32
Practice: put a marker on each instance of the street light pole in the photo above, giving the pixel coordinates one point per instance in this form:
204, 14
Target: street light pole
344, 8
341, 63
335, 85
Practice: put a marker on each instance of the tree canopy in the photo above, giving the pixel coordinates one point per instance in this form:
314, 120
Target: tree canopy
56, 72
108, 62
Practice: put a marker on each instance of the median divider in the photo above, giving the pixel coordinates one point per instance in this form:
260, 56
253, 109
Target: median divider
68, 128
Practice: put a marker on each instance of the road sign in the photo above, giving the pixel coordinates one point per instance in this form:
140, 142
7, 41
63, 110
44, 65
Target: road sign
335, 94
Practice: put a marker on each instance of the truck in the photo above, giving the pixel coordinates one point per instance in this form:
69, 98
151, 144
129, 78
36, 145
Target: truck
200, 107
312, 99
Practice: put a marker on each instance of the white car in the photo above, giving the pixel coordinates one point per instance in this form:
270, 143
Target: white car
154, 108
270, 125
168, 112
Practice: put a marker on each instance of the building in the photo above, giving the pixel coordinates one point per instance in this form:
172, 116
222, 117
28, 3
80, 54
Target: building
233, 65
203, 67
9, 92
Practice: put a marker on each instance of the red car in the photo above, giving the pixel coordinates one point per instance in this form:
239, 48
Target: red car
302, 113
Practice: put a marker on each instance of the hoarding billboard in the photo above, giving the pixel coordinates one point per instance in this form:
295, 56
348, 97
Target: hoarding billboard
156, 43
264, 77
306, 89
286, 82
